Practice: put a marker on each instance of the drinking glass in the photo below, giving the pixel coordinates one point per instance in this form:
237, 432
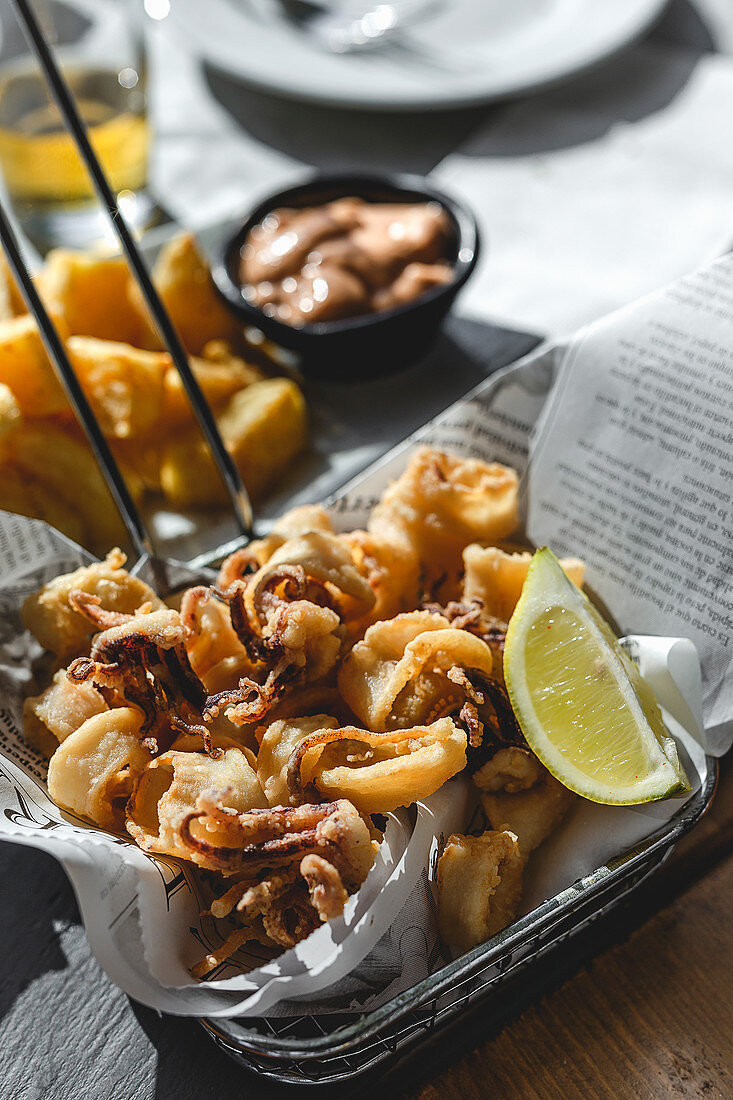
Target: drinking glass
99, 46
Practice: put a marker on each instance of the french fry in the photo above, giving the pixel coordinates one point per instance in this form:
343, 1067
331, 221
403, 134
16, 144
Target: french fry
124, 385
219, 380
263, 426
183, 280
27, 497
90, 291
10, 414
26, 370
11, 302
65, 467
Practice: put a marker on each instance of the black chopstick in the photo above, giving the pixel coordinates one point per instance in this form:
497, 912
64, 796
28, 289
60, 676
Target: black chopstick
74, 392
65, 101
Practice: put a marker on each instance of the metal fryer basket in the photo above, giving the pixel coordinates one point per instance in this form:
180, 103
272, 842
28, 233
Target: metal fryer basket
320, 1050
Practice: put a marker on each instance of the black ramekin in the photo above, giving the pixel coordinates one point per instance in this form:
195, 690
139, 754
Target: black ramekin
375, 343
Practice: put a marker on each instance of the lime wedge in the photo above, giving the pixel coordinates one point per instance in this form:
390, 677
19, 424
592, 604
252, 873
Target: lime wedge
579, 698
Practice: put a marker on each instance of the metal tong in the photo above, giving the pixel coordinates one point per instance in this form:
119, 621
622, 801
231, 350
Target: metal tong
139, 535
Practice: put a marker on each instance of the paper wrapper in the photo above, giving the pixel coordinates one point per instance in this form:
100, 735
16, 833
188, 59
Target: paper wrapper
142, 912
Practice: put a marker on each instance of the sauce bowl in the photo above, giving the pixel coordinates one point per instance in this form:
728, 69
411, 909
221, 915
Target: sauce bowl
369, 344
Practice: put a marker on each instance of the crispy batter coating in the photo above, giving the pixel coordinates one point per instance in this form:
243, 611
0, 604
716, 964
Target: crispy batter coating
441, 502
496, 577
168, 789
59, 710
65, 631
479, 881
92, 770
518, 793
378, 772
397, 675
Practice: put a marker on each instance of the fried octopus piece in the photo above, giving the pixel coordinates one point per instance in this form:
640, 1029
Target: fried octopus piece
378, 772
169, 787
479, 880
143, 662
518, 793
397, 675
442, 502
289, 630
298, 866
258, 840
58, 711
496, 577
65, 630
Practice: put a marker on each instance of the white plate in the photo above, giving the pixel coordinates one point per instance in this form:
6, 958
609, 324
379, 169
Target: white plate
463, 52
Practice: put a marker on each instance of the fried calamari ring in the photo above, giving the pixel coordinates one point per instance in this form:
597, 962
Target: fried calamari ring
441, 502
479, 880
380, 677
496, 577
96, 764
377, 772
277, 745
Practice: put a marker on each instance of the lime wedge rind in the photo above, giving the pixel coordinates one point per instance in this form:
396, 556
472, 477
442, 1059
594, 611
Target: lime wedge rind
579, 698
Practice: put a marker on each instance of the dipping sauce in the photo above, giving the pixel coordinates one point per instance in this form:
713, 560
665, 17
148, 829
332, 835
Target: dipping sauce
344, 258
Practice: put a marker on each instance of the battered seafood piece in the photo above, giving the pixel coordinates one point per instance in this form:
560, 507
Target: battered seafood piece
263, 839
496, 578
518, 793
297, 869
378, 772
65, 631
142, 661
398, 674
441, 502
59, 710
168, 790
92, 770
479, 880
278, 743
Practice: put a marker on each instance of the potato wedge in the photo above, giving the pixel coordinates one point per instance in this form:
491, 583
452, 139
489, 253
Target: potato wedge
10, 415
219, 381
26, 369
90, 291
183, 280
64, 467
11, 301
124, 384
263, 426
28, 497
